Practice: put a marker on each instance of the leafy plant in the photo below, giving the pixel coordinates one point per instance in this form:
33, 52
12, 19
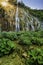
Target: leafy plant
37, 41
35, 57
25, 40
10, 35
6, 46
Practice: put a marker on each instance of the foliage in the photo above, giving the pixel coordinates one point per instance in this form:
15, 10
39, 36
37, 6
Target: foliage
28, 38
35, 57
11, 35
27, 45
24, 39
6, 46
37, 41
37, 13
38, 34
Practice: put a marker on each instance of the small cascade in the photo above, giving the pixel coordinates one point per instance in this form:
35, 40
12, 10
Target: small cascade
41, 25
29, 24
26, 21
32, 26
32, 23
17, 26
38, 23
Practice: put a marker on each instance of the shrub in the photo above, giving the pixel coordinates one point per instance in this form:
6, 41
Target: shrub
35, 57
6, 46
10, 35
41, 34
38, 34
25, 40
37, 41
1, 35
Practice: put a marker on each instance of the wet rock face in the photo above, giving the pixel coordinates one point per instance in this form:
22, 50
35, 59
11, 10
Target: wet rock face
12, 1
17, 19
27, 21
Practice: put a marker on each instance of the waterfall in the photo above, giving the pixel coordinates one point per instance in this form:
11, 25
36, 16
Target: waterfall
38, 23
26, 21
29, 23
17, 26
32, 26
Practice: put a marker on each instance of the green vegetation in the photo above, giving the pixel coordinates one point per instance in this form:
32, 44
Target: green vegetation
35, 38
37, 13
6, 46
24, 47
28, 38
11, 36
35, 57
37, 41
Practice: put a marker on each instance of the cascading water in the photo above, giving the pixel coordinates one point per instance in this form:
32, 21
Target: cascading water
17, 19
32, 27
37, 21
24, 21
30, 23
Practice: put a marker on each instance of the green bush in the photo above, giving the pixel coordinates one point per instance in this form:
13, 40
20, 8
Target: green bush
41, 34
38, 34
6, 46
37, 41
10, 35
25, 40
1, 36
29, 38
35, 57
